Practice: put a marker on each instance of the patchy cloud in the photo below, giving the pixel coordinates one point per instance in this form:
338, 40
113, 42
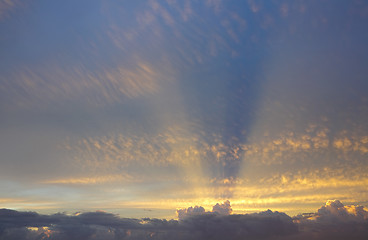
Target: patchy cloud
7, 6
106, 86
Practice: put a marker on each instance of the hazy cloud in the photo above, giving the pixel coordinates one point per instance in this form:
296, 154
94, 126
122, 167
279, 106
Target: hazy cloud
92, 180
53, 84
7, 6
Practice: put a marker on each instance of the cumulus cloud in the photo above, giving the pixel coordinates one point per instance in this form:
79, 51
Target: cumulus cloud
331, 221
335, 211
223, 209
191, 211
335, 221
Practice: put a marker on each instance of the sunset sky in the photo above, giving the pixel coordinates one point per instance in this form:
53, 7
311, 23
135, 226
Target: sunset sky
140, 108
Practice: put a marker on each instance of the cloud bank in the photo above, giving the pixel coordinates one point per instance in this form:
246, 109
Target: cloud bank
334, 221
331, 221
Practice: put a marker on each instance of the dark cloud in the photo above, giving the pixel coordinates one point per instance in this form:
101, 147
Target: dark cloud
332, 221
101, 225
249, 226
59, 226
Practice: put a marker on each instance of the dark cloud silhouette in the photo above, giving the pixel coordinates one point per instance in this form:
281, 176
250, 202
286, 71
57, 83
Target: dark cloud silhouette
332, 221
249, 226
101, 225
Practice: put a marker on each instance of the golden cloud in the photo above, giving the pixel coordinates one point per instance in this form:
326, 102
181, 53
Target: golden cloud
93, 180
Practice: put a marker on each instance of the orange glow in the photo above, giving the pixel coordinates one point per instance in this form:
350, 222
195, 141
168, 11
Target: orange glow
91, 180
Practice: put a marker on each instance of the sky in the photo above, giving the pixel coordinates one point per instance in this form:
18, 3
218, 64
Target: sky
142, 109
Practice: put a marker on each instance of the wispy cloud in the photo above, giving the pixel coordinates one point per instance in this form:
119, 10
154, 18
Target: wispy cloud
107, 86
93, 180
7, 6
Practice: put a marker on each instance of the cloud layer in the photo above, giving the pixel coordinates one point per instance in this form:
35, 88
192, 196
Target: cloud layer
331, 221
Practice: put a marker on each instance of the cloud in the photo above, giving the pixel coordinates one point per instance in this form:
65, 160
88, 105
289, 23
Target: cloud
331, 221
99, 88
7, 6
162, 12
220, 224
219, 209
93, 180
101, 225
335, 211
249, 226
23, 225
191, 211
223, 209
334, 221
174, 145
